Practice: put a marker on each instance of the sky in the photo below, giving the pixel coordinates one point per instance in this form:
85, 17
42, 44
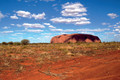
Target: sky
40, 20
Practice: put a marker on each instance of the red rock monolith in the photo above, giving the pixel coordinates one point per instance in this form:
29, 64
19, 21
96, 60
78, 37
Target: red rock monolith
74, 38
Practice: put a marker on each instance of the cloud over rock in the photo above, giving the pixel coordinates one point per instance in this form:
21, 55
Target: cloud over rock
75, 13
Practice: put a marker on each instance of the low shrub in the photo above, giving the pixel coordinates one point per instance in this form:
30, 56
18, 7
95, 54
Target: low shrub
4, 43
10, 43
25, 42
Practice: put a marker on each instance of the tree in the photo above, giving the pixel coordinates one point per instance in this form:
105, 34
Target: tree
4, 43
10, 43
25, 41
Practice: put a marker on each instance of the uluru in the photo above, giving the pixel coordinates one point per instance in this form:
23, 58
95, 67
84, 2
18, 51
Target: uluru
74, 38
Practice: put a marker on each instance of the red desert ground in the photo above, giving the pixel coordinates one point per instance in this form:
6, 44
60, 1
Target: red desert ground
88, 60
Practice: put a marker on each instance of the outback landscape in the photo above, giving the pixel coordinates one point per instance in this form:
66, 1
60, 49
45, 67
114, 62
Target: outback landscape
59, 39
60, 61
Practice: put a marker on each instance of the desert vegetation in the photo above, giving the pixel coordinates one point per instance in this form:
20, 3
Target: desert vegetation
18, 58
12, 56
23, 42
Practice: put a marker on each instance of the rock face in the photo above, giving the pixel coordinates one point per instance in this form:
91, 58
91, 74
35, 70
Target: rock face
73, 38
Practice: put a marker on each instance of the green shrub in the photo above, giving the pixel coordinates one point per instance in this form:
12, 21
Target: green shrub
25, 41
16, 43
10, 43
4, 43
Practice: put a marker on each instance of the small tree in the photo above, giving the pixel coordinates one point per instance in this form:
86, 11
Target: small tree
25, 41
4, 43
10, 43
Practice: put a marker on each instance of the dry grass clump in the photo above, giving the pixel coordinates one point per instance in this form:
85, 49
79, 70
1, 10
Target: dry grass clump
11, 56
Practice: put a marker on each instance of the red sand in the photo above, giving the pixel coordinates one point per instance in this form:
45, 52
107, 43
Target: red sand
100, 67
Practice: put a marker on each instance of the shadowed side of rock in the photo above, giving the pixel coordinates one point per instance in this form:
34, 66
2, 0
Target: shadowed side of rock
73, 38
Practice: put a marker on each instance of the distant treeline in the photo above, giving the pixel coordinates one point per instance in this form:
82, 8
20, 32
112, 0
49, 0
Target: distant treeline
26, 42
22, 42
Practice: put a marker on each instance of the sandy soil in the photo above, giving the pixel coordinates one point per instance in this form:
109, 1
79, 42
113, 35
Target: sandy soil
99, 67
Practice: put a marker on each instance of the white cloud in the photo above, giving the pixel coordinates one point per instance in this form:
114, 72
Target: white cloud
74, 14
109, 33
36, 25
72, 5
46, 34
55, 8
73, 9
82, 22
118, 23
62, 33
7, 32
56, 30
18, 25
80, 30
105, 23
77, 21
68, 30
6, 27
39, 16
117, 30
14, 17
12, 24
31, 38
16, 34
117, 27
85, 32
118, 35
61, 30
48, 24
112, 15
1, 15
33, 30
54, 5
27, 14
93, 30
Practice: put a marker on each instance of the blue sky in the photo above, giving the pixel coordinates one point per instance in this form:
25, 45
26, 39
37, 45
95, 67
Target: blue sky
40, 20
